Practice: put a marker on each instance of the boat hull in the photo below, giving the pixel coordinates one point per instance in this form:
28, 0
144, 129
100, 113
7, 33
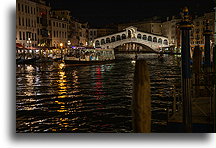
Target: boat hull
74, 62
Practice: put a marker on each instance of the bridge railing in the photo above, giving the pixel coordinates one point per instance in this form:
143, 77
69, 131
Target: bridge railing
151, 44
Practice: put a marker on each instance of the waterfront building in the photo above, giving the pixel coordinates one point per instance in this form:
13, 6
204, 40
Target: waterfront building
210, 16
99, 32
43, 23
32, 18
172, 32
59, 32
92, 34
60, 21
26, 23
197, 37
149, 26
83, 37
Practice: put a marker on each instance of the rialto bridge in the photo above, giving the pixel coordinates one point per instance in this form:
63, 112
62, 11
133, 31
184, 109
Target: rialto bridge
133, 39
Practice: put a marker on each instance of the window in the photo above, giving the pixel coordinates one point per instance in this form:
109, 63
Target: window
35, 37
113, 39
23, 22
150, 38
154, 39
22, 8
144, 37
102, 41
32, 36
29, 23
28, 9
25, 9
123, 36
20, 35
118, 37
97, 43
139, 36
160, 40
165, 42
107, 40
53, 23
23, 35
18, 7
19, 21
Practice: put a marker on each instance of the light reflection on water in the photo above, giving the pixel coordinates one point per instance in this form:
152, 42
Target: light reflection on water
52, 97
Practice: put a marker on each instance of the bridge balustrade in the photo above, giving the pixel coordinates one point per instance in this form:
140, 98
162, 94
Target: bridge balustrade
153, 41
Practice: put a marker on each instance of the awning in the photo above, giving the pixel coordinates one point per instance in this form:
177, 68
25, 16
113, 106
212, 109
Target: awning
31, 48
18, 45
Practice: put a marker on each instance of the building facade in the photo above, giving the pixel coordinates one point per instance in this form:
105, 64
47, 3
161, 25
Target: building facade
26, 23
37, 25
59, 32
153, 27
43, 23
172, 32
60, 21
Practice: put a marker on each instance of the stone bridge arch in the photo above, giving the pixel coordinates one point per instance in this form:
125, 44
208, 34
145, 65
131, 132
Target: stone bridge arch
131, 35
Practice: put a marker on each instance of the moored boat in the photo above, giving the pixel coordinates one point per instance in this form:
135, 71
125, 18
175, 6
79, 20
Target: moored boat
90, 56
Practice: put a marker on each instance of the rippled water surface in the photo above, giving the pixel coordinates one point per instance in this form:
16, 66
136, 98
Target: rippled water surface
53, 97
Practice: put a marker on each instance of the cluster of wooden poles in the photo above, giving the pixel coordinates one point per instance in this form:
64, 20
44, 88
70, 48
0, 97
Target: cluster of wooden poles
141, 91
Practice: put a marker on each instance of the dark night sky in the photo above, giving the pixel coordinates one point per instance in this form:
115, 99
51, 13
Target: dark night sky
100, 12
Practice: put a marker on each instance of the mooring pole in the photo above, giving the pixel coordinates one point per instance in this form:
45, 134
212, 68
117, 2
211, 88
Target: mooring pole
185, 26
141, 98
197, 61
214, 56
207, 58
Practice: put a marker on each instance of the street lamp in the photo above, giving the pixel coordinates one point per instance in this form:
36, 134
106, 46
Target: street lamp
29, 42
69, 43
61, 44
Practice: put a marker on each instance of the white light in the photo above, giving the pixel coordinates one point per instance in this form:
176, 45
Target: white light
133, 61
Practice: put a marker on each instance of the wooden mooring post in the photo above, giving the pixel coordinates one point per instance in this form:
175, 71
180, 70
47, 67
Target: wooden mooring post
185, 27
141, 98
207, 62
197, 61
214, 80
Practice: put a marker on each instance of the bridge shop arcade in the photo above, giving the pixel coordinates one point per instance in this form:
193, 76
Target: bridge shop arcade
133, 40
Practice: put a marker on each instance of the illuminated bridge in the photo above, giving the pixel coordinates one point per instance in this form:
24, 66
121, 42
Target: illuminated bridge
133, 39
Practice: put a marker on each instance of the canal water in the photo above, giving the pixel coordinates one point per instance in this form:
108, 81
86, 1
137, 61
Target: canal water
53, 97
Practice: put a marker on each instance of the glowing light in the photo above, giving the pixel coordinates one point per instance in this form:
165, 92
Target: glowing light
133, 61
61, 66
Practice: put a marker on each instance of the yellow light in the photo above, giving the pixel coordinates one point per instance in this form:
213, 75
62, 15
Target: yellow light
61, 44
